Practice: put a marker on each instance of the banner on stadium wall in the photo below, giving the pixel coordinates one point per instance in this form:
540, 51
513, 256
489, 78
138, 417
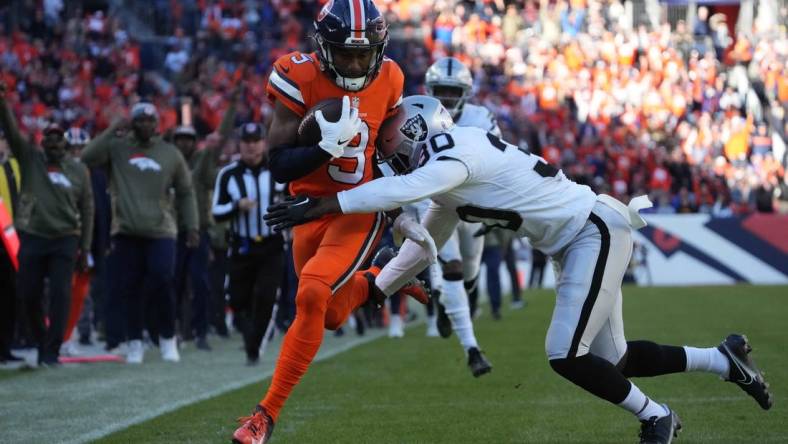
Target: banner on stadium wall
701, 2
696, 249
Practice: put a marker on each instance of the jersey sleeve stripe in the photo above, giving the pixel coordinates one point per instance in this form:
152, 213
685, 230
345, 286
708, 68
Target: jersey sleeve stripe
286, 86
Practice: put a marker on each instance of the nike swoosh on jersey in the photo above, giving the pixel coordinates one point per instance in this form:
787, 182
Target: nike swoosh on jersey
342, 142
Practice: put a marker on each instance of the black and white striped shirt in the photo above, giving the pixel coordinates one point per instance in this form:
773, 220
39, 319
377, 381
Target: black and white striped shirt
236, 181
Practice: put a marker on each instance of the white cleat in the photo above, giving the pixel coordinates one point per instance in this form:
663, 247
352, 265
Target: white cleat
395, 327
169, 349
70, 349
135, 353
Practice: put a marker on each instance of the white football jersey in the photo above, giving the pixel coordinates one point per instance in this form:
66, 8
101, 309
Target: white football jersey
481, 178
479, 117
515, 190
472, 115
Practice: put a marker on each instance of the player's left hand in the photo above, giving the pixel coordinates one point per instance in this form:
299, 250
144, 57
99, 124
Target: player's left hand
416, 232
290, 212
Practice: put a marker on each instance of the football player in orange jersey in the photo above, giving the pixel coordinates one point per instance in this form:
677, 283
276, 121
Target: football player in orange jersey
351, 36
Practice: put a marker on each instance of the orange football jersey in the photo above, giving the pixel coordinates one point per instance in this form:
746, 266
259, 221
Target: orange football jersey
298, 83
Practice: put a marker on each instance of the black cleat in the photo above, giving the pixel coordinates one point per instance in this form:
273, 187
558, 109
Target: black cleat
743, 371
202, 344
660, 430
443, 322
382, 257
478, 364
360, 323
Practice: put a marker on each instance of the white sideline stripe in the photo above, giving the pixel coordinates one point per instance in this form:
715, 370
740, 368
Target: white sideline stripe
115, 427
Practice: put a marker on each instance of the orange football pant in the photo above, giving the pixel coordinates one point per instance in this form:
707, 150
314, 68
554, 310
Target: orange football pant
327, 254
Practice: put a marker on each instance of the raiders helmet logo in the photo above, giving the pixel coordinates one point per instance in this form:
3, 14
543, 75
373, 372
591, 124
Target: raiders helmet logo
415, 128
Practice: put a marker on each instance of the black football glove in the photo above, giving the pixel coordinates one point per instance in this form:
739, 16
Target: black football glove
290, 212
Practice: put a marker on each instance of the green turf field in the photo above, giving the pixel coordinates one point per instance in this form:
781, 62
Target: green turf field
417, 389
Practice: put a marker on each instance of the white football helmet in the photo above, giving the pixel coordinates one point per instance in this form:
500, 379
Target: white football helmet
403, 136
442, 77
76, 136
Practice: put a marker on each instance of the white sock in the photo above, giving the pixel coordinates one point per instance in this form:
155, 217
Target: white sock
706, 360
641, 405
432, 321
455, 301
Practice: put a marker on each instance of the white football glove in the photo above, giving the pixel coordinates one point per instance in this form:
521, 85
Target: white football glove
410, 229
336, 135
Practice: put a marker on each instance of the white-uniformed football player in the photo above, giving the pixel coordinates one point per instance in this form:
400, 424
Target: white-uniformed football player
450, 81
474, 176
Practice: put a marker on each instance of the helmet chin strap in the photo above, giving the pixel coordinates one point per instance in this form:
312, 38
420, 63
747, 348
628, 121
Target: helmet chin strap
350, 83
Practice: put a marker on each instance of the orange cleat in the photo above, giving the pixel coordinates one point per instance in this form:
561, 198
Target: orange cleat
415, 288
417, 291
255, 429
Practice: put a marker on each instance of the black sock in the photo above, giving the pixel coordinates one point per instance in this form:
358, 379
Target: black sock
595, 375
645, 358
472, 289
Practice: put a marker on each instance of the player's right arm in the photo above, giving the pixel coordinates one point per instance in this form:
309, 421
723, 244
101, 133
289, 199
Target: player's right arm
287, 160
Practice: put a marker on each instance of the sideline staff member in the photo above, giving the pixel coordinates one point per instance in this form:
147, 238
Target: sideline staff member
55, 223
244, 189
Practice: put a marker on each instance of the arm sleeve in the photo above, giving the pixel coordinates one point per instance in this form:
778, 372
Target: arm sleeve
184, 194
387, 193
87, 212
412, 259
223, 207
289, 163
96, 152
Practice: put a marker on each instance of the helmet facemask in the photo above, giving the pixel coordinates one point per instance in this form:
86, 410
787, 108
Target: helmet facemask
451, 96
373, 39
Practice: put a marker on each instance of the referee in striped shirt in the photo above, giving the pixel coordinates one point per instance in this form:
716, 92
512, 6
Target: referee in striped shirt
243, 191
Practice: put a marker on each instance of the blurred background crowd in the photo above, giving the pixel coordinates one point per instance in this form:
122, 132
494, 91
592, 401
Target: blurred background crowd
683, 101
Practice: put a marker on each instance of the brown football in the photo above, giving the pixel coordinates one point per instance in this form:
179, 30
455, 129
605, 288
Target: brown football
309, 130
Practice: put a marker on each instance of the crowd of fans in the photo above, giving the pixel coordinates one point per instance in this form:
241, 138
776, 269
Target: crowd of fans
681, 111
684, 112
